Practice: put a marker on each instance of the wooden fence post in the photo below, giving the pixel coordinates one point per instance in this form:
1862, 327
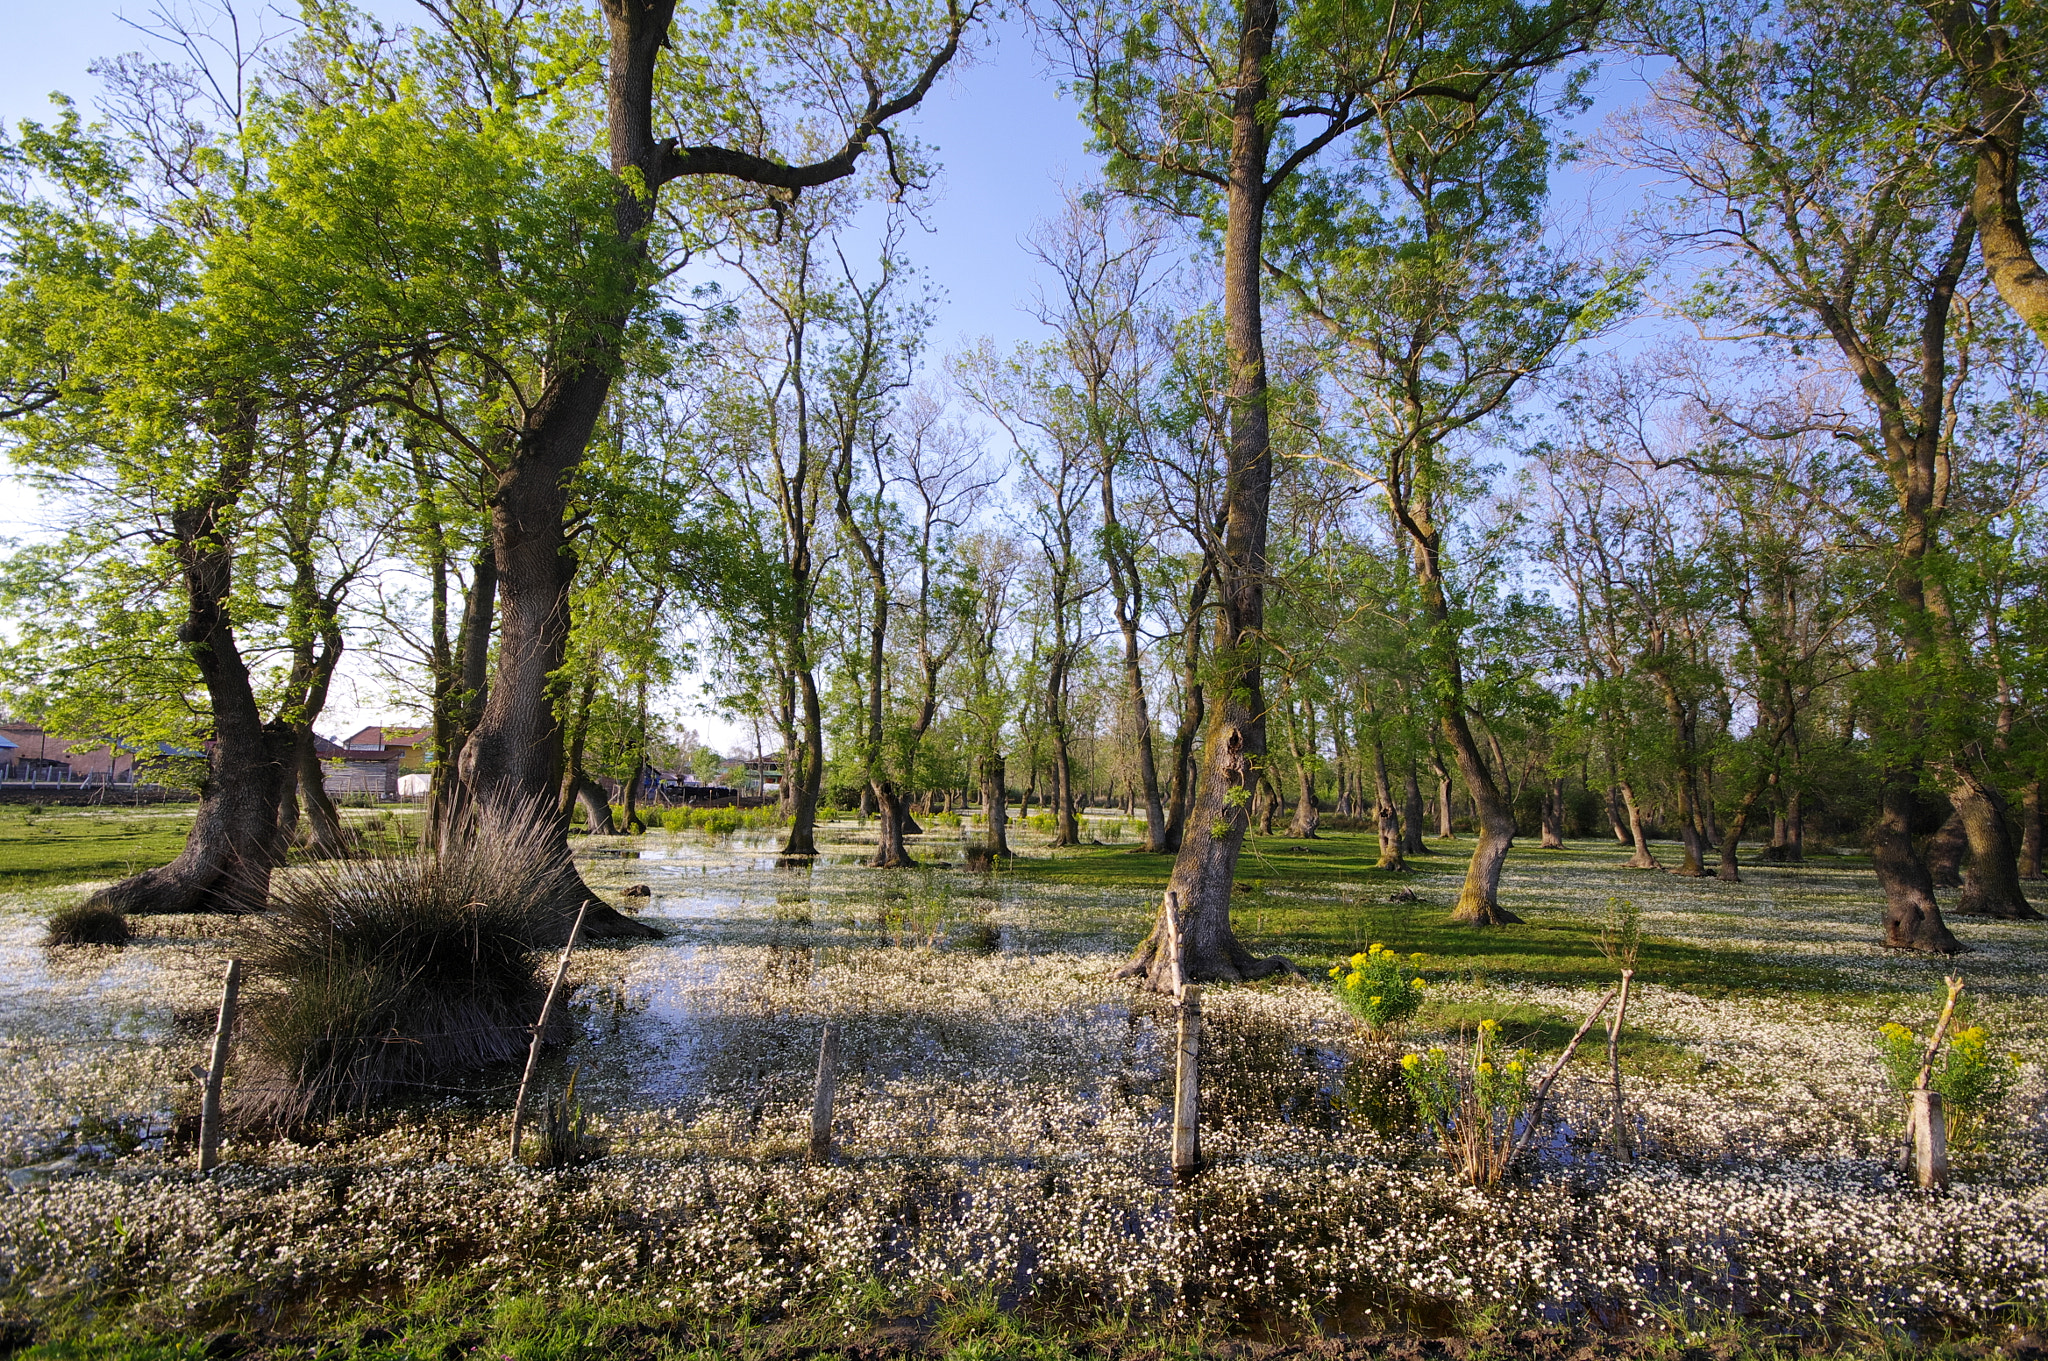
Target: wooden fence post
821, 1099
540, 1030
1187, 1087
1927, 1130
217, 1069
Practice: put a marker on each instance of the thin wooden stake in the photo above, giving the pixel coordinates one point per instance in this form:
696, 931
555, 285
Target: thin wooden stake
821, 1099
1948, 1011
1187, 1050
1927, 1127
1621, 1140
540, 1030
217, 1070
1543, 1088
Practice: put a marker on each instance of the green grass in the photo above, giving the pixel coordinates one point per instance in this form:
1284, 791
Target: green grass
1322, 900
461, 1317
77, 845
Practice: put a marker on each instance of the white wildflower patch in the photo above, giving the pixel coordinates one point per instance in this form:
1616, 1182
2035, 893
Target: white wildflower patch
1001, 1123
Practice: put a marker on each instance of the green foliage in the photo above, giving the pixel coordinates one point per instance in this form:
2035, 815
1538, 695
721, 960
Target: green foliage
1621, 932
1973, 1081
1380, 988
1472, 1107
717, 821
561, 1137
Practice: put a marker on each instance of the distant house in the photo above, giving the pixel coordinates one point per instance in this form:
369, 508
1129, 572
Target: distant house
372, 760
29, 753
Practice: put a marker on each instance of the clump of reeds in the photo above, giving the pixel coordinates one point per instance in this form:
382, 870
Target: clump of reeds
562, 1138
86, 924
390, 976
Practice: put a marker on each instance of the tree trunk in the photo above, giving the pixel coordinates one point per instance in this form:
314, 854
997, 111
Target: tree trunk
2004, 95
803, 769
326, 838
1234, 750
1991, 887
1615, 818
460, 695
1385, 820
1553, 815
1267, 801
1444, 829
1191, 717
1125, 587
994, 805
234, 843
1306, 815
1642, 859
1412, 842
1945, 851
1912, 919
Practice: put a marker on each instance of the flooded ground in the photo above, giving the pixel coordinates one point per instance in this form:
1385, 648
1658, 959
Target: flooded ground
1002, 1119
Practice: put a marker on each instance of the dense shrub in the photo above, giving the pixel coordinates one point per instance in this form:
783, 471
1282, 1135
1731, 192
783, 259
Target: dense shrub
718, 821
389, 976
86, 924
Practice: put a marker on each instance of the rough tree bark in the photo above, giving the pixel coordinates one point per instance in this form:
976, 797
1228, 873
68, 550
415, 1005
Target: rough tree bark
1306, 816
234, 843
1411, 813
1991, 885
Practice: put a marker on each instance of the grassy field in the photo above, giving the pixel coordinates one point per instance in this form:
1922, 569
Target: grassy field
42, 846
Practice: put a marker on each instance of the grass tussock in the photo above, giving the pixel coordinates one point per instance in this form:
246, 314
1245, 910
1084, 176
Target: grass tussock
390, 976
86, 924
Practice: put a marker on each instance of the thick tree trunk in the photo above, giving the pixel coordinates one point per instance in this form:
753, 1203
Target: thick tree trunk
1991, 886
1945, 851
234, 843
1444, 828
1267, 801
326, 838
1125, 588
1912, 919
806, 775
890, 852
1066, 829
1553, 815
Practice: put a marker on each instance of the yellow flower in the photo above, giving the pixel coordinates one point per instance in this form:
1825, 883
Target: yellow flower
1489, 1025
1892, 1030
1416, 958
1355, 981
1419, 982
1411, 1061
1515, 1067
1376, 1001
1486, 1070
1336, 970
